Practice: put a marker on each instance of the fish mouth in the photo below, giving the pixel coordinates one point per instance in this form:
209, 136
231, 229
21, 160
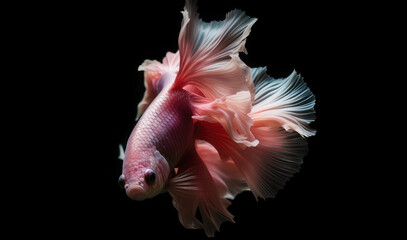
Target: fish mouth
136, 192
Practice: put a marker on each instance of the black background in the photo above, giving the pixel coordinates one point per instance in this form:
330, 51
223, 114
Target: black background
102, 45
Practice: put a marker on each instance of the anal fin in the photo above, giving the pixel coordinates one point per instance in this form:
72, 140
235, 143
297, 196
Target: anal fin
194, 188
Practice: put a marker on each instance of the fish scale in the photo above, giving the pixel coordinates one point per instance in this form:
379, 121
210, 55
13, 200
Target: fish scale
166, 125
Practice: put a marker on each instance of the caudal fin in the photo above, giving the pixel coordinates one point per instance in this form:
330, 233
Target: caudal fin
283, 102
281, 113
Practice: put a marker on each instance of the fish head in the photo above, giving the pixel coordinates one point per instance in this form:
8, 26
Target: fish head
145, 174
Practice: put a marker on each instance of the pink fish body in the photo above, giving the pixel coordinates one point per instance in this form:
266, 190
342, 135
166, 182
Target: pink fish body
211, 127
157, 143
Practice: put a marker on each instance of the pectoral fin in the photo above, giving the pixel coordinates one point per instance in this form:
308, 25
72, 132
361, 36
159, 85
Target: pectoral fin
121, 152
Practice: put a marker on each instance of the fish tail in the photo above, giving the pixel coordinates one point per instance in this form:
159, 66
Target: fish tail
281, 113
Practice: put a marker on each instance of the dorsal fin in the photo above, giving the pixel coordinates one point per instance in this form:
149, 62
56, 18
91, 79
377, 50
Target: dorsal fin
209, 60
211, 70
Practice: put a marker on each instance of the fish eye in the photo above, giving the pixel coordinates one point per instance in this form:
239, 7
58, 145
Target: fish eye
150, 176
121, 181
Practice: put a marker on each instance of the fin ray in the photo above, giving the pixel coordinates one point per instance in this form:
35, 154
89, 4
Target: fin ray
285, 102
211, 70
281, 112
194, 188
232, 113
209, 58
227, 174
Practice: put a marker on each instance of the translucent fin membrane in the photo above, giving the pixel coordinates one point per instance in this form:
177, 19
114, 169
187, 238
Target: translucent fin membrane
212, 71
285, 102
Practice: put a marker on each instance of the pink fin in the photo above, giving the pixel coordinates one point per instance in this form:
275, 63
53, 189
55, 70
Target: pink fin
284, 102
230, 180
209, 60
280, 105
210, 69
157, 76
232, 113
184, 189
194, 188
266, 167
274, 161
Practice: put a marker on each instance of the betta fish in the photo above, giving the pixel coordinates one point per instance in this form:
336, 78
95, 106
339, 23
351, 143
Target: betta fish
210, 127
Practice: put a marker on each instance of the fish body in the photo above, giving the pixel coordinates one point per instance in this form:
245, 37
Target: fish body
210, 127
164, 131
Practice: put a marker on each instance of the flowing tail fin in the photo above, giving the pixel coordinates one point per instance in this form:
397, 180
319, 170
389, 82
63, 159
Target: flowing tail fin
282, 110
285, 102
